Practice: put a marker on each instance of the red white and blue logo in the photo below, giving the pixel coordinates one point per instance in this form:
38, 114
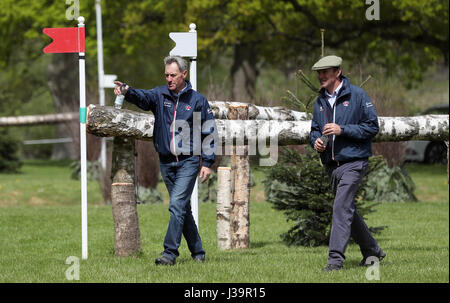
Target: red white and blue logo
346, 103
188, 107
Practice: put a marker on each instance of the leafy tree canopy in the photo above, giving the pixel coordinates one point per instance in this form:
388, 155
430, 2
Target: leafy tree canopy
410, 35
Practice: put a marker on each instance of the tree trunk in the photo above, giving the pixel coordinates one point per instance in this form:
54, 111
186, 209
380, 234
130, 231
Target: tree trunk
240, 164
123, 195
224, 196
244, 72
106, 176
147, 164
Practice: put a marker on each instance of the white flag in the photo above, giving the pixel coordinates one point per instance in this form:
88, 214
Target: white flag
186, 44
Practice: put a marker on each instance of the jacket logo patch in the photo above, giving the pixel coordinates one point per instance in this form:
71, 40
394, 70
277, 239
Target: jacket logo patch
321, 108
167, 104
346, 103
188, 107
369, 104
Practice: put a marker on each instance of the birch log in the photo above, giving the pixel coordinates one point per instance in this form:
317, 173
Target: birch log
224, 196
38, 119
220, 109
255, 112
240, 164
107, 121
123, 199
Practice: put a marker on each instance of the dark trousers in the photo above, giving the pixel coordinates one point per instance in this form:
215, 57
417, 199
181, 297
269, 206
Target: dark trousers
344, 181
179, 178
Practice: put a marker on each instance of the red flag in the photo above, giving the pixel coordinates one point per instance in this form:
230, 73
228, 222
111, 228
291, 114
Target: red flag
65, 40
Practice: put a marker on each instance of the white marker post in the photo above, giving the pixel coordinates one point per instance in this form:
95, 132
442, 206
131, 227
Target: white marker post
101, 91
72, 40
103, 80
84, 228
186, 46
193, 78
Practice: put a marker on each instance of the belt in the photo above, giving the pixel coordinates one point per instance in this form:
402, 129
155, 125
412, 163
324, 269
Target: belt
334, 163
173, 158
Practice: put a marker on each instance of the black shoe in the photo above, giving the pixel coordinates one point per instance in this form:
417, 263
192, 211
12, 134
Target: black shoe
164, 261
380, 257
199, 259
332, 267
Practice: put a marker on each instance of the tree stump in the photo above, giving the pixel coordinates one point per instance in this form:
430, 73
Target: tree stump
123, 198
240, 213
224, 195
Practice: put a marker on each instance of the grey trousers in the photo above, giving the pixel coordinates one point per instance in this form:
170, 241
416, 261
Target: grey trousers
344, 181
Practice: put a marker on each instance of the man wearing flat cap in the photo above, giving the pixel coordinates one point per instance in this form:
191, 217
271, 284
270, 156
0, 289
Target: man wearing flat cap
343, 126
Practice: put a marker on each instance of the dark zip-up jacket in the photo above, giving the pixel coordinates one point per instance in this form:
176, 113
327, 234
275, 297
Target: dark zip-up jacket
173, 142
354, 112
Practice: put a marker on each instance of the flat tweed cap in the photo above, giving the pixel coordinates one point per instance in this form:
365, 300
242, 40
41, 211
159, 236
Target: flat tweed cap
327, 62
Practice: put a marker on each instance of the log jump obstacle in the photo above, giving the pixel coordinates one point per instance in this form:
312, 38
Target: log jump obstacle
278, 125
244, 123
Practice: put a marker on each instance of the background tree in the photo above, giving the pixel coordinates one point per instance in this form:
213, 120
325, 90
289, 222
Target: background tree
55, 77
238, 41
409, 36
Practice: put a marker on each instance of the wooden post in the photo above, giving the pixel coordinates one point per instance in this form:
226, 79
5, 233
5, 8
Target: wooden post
123, 198
224, 196
322, 31
240, 215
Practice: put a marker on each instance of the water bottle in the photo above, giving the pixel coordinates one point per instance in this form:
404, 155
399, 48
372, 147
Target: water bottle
324, 140
119, 101
119, 98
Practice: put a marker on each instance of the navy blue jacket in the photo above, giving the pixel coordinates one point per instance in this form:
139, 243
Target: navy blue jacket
354, 112
179, 142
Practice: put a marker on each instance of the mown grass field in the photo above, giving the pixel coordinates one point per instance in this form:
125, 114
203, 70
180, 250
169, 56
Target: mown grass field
40, 221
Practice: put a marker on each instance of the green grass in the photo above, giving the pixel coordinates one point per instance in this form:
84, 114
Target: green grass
36, 239
430, 181
44, 183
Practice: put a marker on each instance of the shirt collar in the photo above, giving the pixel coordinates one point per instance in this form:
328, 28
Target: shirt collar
336, 92
180, 92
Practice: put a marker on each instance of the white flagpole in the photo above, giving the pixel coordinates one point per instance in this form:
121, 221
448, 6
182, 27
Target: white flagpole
84, 230
193, 79
101, 72
186, 46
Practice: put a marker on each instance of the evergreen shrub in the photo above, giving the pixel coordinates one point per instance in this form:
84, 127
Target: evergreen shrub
385, 184
299, 186
9, 153
148, 195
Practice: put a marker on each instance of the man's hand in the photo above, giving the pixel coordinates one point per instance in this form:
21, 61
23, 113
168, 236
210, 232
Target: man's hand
119, 90
331, 129
318, 145
205, 172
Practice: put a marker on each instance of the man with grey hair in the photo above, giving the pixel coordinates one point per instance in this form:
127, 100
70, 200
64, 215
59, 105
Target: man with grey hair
181, 114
